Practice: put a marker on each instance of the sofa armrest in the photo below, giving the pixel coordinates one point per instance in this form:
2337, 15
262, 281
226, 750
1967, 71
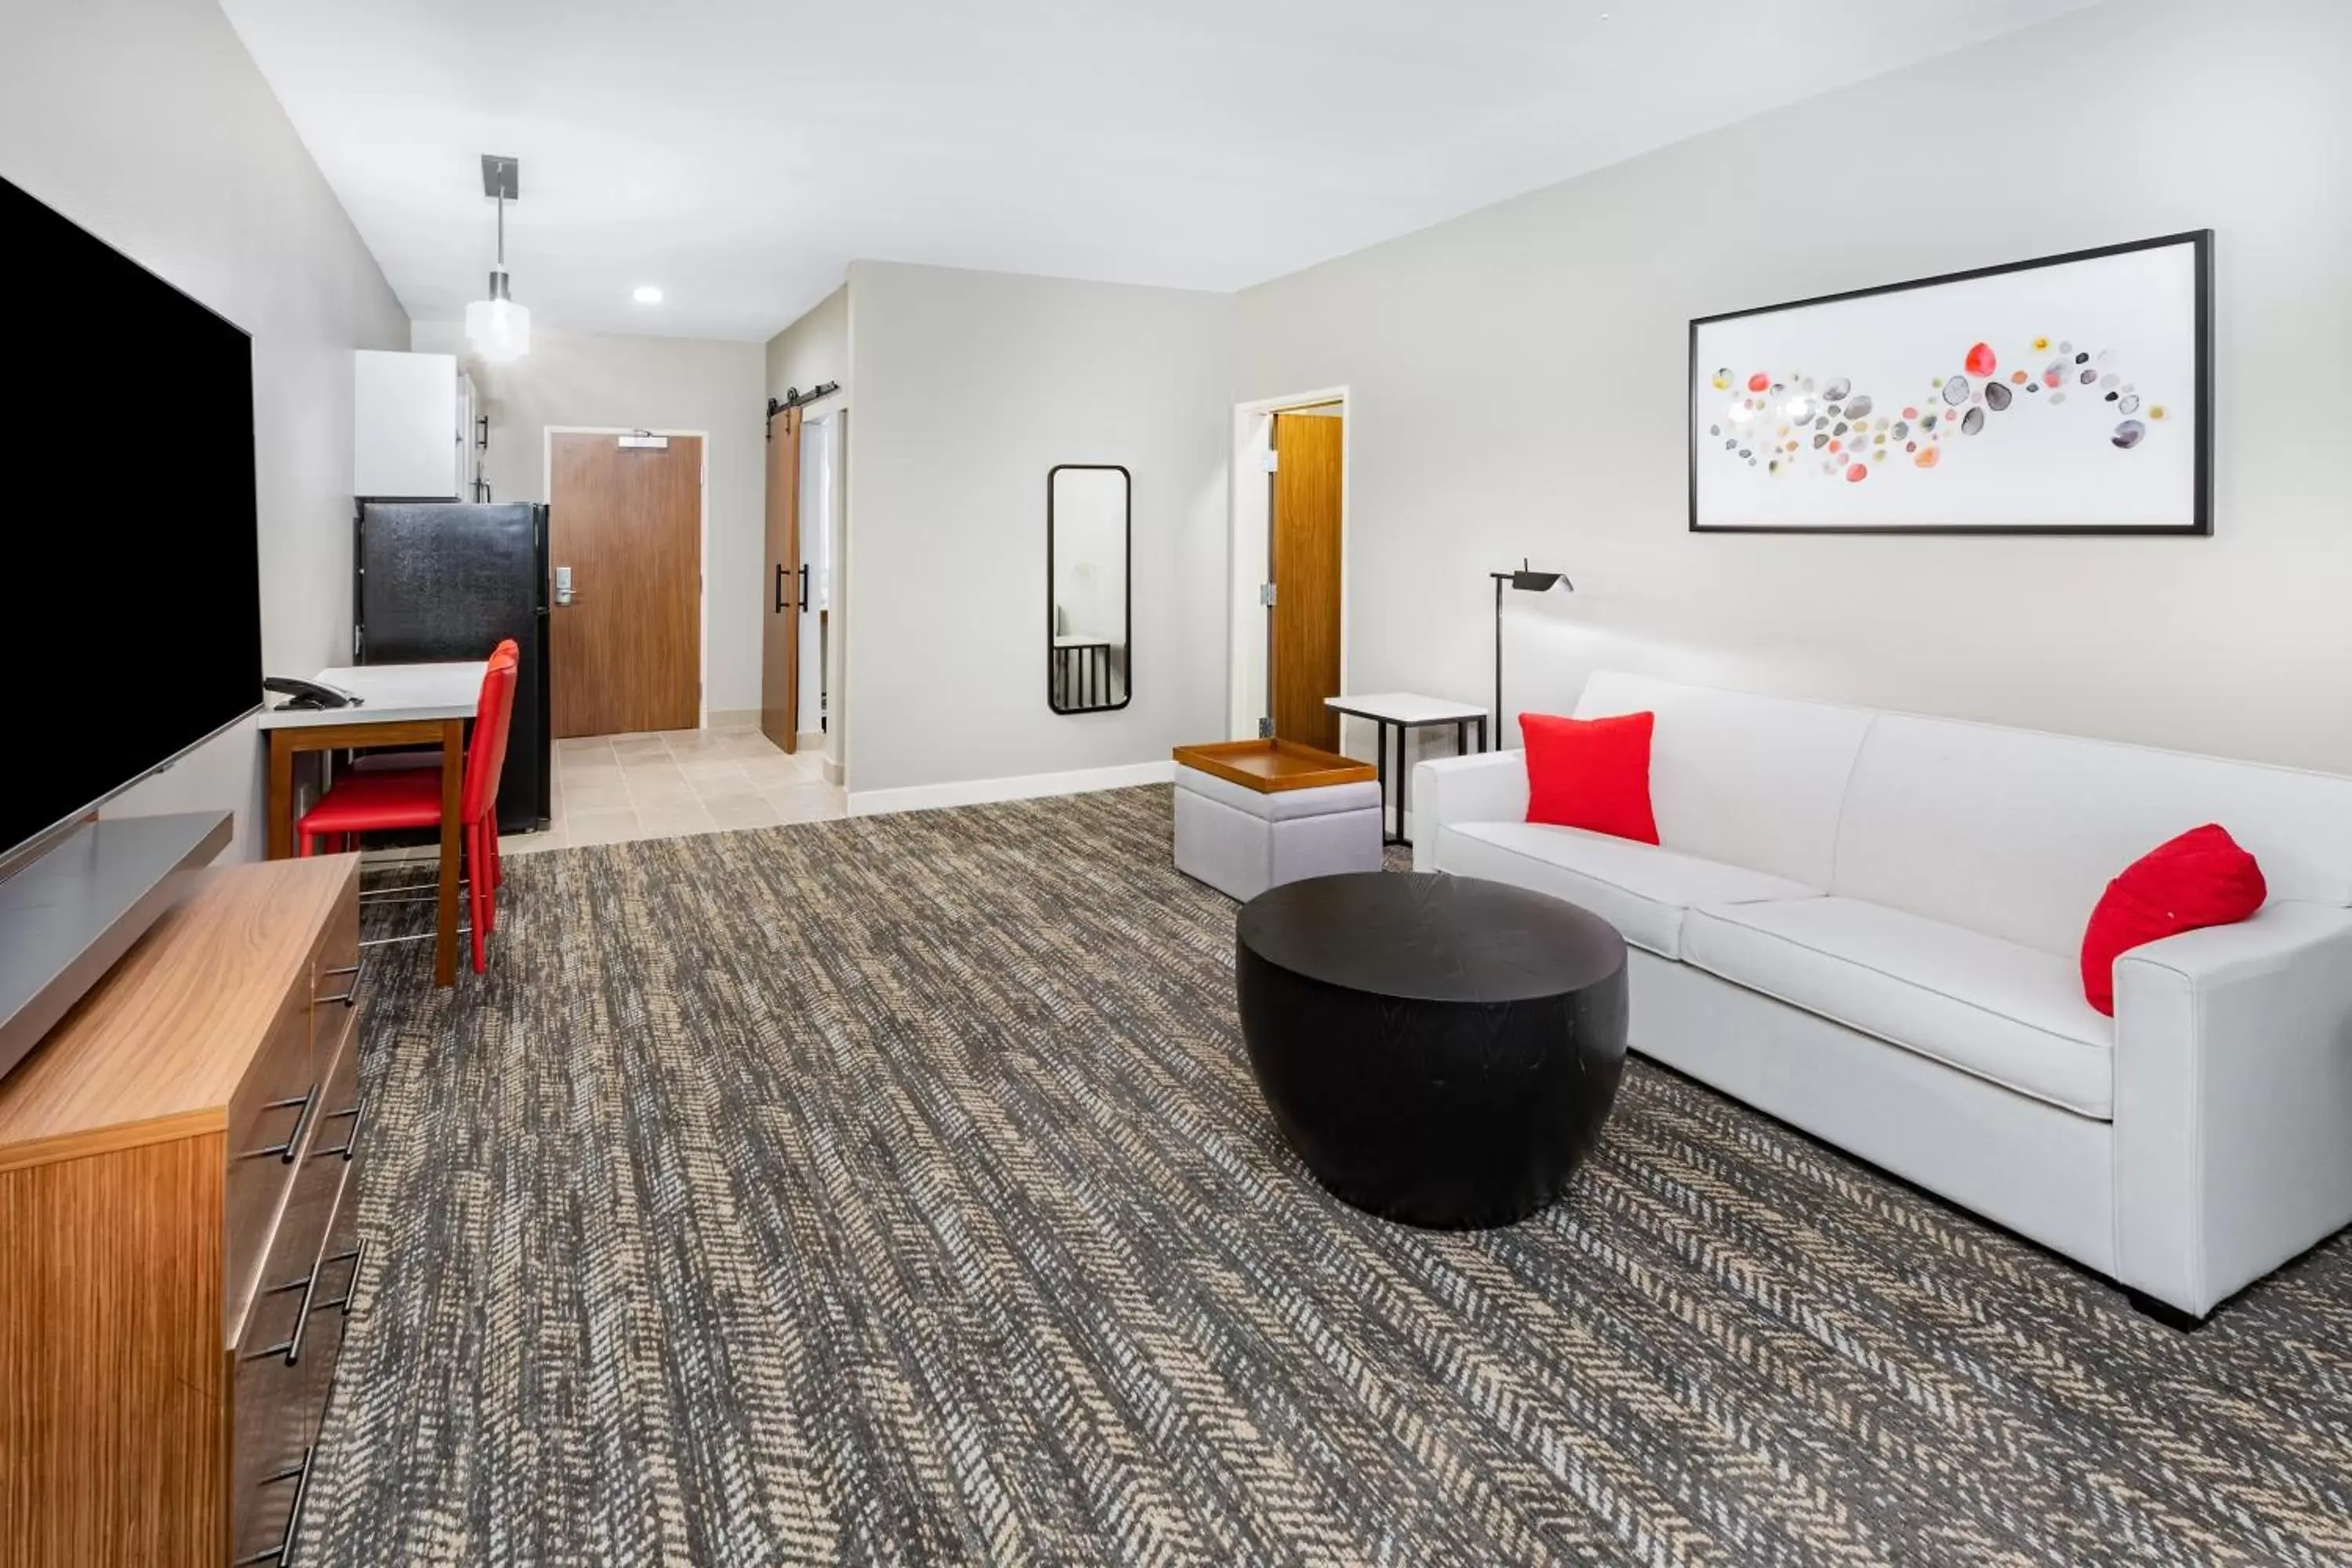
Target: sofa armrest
2233, 1100
1485, 786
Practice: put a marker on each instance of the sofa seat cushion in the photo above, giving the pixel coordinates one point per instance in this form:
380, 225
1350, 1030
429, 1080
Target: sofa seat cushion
2012, 1014
1640, 888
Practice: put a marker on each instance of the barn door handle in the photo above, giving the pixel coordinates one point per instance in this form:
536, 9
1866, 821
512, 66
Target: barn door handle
780, 588
804, 590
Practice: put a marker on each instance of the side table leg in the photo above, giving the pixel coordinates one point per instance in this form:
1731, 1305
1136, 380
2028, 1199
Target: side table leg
1405, 772
281, 795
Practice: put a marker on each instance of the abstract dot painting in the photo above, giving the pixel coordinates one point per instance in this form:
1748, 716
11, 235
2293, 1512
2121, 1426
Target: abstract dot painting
1969, 394
2065, 394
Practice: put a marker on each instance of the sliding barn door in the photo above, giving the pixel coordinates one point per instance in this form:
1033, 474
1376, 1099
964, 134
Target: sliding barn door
1303, 655
786, 586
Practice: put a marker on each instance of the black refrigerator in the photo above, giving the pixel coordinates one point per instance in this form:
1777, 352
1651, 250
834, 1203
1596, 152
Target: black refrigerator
441, 580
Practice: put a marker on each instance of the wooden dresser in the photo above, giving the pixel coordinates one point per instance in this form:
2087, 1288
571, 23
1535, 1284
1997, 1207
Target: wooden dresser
178, 1210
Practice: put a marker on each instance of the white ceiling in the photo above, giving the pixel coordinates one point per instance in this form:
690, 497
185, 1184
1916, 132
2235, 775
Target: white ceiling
739, 152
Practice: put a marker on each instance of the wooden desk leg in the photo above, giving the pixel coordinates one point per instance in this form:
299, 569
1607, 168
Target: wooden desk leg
280, 806
445, 940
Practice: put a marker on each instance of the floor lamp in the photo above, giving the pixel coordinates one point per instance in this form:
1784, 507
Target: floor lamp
1526, 581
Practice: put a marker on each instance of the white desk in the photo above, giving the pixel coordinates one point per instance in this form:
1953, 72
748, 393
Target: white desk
1405, 711
401, 705
390, 694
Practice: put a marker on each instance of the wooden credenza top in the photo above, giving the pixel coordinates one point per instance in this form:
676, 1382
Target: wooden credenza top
158, 1048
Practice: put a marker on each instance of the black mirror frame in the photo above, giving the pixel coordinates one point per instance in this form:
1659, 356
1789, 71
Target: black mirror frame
1126, 526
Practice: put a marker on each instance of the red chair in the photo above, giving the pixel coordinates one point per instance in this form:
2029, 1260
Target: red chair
411, 797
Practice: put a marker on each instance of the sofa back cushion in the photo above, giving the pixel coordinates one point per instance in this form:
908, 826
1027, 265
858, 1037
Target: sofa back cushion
1749, 781
2015, 834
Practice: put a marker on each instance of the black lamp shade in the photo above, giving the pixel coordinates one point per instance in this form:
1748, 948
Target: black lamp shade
1534, 581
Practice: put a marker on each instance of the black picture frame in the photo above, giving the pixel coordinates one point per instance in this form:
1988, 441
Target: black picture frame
1126, 586
2201, 525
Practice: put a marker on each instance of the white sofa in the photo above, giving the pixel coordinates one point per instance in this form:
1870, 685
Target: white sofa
1868, 924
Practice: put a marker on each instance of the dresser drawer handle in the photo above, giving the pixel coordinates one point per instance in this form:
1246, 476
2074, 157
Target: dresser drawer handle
349, 995
300, 1476
285, 1151
354, 1113
357, 1258
291, 1348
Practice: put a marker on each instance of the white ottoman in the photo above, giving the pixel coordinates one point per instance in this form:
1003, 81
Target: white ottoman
1265, 816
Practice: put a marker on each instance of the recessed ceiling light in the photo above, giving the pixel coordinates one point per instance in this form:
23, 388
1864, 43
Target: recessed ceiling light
648, 294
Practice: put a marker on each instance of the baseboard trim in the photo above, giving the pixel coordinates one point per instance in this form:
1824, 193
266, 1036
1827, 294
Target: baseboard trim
1028, 786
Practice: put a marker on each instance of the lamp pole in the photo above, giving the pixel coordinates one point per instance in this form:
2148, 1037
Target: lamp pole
1500, 578
1527, 580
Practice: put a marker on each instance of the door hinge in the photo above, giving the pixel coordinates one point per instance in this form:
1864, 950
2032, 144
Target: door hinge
1265, 728
1271, 459
1265, 595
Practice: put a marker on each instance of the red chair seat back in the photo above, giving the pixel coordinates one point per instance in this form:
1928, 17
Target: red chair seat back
486, 759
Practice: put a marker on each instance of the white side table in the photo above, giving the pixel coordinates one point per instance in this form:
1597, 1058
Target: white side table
1404, 711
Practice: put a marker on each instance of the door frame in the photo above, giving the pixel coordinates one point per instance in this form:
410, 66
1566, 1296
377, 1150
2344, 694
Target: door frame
547, 435
836, 463
1249, 538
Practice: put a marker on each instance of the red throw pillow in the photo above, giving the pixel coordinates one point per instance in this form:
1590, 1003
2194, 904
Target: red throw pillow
2201, 878
1593, 774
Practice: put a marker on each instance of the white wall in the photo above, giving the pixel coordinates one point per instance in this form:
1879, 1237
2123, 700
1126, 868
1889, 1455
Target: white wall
657, 383
1517, 388
813, 349
144, 121
810, 352
970, 386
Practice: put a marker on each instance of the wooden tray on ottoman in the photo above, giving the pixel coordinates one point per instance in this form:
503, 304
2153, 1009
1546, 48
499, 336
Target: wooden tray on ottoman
1272, 766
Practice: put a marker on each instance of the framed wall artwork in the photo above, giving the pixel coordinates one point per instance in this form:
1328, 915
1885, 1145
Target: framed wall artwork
2068, 395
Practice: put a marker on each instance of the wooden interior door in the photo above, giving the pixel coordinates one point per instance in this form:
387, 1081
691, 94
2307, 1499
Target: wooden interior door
780, 626
1303, 652
625, 655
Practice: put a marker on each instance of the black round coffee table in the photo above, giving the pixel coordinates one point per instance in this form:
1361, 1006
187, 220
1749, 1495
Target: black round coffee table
1440, 1050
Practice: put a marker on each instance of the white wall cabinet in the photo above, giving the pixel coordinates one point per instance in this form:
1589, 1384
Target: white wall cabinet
412, 426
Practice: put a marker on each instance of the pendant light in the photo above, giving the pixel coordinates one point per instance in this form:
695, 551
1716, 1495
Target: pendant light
498, 329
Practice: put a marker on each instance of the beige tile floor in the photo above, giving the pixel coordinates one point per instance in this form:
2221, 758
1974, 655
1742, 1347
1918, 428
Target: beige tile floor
611, 788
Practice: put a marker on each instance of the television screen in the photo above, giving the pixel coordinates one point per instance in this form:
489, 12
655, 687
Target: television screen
132, 628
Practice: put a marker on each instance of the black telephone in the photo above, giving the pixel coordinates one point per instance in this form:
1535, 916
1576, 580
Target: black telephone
308, 694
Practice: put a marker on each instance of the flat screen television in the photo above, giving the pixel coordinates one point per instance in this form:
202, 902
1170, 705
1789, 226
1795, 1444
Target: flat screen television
132, 626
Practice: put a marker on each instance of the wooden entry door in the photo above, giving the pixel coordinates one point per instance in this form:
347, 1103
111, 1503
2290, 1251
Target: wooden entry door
787, 586
1303, 651
624, 656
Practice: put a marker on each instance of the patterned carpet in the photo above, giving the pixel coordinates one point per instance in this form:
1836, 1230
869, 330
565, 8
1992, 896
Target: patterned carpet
896, 1190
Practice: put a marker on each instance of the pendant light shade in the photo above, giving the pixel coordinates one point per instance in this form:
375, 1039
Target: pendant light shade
496, 328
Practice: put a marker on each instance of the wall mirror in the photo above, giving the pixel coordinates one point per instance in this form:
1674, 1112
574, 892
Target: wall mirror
1089, 599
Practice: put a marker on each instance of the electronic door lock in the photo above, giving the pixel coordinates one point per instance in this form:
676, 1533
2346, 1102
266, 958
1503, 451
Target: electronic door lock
563, 585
